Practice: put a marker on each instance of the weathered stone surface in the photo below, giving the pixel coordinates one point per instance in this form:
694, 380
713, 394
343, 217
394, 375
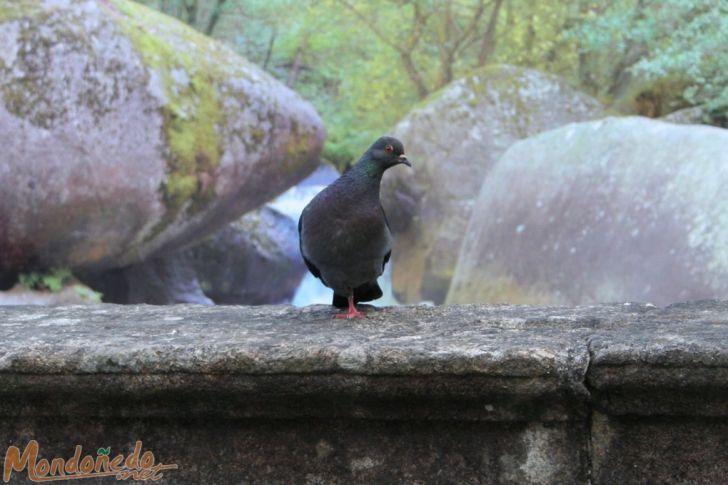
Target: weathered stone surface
663, 368
671, 450
126, 134
252, 261
326, 452
246, 353
457, 394
454, 140
613, 210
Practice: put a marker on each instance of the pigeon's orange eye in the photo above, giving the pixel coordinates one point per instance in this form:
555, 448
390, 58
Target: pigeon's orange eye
389, 149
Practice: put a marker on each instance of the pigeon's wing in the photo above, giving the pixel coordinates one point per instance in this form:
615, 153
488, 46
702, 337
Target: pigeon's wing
386, 259
311, 267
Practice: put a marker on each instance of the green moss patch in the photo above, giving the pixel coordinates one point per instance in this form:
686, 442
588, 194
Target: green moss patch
14, 9
297, 148
192, 110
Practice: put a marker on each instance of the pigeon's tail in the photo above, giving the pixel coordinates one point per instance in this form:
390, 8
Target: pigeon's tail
366, 292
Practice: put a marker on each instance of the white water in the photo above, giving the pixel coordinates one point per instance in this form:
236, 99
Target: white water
291, 203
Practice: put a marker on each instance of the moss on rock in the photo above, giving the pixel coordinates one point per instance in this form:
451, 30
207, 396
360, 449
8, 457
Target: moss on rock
15, 9
191, 109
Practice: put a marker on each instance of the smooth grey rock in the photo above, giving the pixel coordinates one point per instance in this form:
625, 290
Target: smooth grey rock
158, 281
687, 116
252, 261
454, 140
126, 135
614, 210
164, 281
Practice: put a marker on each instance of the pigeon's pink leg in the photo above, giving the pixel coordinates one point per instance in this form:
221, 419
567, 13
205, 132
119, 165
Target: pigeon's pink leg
352, 313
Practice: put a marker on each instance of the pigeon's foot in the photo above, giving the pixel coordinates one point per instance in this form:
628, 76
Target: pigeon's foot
352, 313
355, 314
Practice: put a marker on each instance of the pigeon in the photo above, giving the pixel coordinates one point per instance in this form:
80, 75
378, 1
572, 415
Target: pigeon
344, 235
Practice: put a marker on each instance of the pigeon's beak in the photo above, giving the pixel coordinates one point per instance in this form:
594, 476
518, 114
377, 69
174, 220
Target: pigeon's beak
403, 159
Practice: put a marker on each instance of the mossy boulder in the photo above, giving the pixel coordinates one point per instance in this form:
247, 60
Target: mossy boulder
127, 135
454, 139
628, 209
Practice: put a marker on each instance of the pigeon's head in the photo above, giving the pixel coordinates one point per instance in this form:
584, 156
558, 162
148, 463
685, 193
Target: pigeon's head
388, 152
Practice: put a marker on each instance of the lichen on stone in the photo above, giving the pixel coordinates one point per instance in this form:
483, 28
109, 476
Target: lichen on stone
27, 67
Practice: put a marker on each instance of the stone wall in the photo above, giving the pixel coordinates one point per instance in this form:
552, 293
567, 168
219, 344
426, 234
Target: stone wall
622, 393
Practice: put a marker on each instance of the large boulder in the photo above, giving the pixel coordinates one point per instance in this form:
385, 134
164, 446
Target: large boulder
689, 116
163, 280
616, 210
454, 140
126, 135
252, 261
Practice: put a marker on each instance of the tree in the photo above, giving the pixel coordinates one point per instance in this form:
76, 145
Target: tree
364, 65
416, 27
201, 14
680, 43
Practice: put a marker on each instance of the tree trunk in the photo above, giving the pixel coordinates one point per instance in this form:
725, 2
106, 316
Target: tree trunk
269, 50
296, 66
444, 43
214, 17
414, 75
446, 62
191, 10
585, 74
487, 46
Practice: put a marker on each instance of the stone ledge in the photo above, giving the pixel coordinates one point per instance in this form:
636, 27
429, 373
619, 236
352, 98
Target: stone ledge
484, 362
460, 394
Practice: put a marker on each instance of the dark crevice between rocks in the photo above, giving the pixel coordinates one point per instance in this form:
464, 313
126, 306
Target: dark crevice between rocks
7, 280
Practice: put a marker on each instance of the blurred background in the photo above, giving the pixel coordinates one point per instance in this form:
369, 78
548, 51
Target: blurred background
564, 152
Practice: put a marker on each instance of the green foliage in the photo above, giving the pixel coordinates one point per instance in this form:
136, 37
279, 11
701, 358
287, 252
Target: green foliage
682, 41
364, 65
54, 280
87, 293
192, 110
